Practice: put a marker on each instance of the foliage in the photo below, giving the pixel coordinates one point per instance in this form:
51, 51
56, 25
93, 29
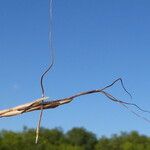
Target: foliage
75, 139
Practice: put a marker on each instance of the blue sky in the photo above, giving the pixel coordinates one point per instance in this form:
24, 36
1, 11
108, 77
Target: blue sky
95, 42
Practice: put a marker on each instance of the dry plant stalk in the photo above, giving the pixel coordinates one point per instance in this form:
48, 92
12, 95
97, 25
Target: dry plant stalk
37, 104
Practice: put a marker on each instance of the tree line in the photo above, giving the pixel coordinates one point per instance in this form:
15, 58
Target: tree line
74, 139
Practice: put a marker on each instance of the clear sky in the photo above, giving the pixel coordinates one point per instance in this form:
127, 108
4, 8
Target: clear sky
96, 41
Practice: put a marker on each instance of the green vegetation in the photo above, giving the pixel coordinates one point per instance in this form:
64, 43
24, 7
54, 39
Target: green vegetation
75, 139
